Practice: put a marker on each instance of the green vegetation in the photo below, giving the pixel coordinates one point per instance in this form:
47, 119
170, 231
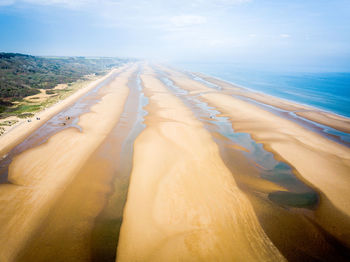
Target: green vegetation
24, 75
25, 115
8, 123
25, 108
49, 92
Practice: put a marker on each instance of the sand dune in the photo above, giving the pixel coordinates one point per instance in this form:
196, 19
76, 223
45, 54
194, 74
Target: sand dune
41, 174
183, 203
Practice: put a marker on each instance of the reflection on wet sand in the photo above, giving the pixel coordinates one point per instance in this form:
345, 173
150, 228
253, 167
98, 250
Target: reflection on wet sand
214, 177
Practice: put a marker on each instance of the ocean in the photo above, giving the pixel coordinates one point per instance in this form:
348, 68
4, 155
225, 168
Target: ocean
329, 91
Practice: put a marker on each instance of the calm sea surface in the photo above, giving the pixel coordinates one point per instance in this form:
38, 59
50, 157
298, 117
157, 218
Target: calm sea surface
327, 91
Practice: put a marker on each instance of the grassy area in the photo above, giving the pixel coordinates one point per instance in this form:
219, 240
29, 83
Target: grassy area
29, 84
22, 76
26, 108
8, 122
22, 109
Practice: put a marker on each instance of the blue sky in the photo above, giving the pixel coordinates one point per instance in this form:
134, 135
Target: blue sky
299, 32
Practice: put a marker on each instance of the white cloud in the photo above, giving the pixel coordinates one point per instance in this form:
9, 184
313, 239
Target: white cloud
187, 20
285, 35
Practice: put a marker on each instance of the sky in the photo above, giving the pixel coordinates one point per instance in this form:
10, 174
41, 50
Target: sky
264, 32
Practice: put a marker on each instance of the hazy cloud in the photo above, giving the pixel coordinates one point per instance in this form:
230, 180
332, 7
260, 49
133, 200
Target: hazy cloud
182, 29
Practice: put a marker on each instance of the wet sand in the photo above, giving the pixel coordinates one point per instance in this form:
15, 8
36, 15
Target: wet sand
325, 118
23, 129
328, 119
304, 150
183, 203
272, 188
214, 177
40, 175
319, 162
92, 203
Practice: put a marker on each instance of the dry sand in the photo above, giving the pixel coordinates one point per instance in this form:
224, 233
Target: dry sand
41, 174
183, 203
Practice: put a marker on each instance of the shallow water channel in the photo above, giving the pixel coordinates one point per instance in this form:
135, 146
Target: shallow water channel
54, 125
326, 131
105, 234
298, 194
84, 223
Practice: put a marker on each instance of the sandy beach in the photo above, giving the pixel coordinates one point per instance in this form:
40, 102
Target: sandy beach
326, 118
188, 207
23, 128
279, 133
313, 156
39, 175
164, 167
318, 161
92, 200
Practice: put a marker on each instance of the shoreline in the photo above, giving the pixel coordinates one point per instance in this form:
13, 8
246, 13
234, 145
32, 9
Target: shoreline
18, 132
258, 189
198, 190
326, 131
243, 87
319, 115
319, 162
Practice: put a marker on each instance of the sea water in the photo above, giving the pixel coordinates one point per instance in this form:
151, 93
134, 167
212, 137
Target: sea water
328, 91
